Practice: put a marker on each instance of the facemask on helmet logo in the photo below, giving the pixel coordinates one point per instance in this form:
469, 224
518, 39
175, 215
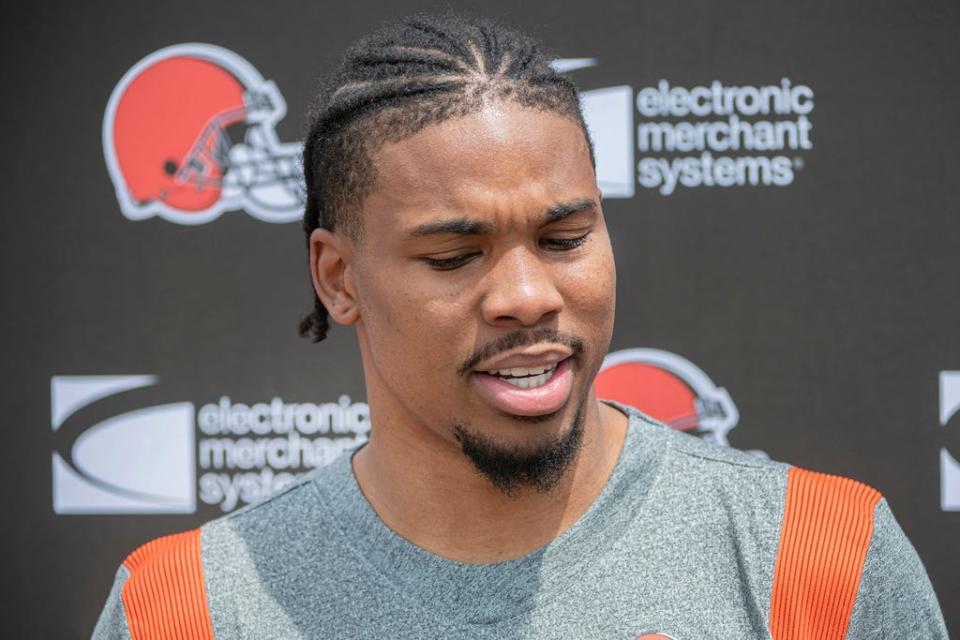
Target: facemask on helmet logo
189, 133
669, 388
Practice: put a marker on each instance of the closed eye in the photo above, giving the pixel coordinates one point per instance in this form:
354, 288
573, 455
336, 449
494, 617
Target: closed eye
552, 244
448, 264
563, 244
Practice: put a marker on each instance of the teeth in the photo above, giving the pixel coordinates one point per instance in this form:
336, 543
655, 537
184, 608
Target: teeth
530, 382
521, 371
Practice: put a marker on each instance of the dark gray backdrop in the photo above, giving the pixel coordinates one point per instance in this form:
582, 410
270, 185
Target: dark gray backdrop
827, 308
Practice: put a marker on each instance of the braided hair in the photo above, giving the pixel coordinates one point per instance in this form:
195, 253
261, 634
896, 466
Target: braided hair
419, 71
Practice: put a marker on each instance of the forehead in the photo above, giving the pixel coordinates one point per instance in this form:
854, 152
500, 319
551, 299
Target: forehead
501, 159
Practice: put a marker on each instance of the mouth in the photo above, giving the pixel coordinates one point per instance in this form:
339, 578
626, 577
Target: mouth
527, 391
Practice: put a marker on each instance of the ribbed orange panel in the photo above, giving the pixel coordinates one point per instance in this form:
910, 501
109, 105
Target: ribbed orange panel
827, 526
165, 596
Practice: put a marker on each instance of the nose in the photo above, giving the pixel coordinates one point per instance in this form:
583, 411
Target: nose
520, 290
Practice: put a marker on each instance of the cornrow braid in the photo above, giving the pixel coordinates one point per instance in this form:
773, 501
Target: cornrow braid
419, 71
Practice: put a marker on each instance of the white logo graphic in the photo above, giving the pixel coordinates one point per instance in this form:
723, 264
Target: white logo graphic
137, 462
608, 114
609, 117
949, 467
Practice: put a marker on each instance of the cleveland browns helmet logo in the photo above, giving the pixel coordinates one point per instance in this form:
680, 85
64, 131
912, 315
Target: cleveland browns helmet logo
189, 134
671, 389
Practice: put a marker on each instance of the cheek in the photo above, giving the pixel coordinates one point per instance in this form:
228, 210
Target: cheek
404, 318
590, 288
591, 301
410, 308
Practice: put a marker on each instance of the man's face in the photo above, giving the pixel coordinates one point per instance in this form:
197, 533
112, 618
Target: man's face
485, 280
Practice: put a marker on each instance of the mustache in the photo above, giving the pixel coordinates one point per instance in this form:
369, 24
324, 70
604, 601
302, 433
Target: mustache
521, 338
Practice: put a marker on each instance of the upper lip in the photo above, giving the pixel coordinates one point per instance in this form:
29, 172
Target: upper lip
530, 357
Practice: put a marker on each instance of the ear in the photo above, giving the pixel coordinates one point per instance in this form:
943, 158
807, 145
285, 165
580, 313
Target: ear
329, 267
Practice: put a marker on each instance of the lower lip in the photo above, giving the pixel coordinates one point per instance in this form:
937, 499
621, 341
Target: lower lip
528, 402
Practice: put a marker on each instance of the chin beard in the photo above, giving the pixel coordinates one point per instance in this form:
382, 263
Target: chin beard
510, 469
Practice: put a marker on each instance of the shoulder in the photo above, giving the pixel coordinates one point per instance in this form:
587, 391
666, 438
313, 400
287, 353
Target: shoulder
777, 500
696, 465
271, 516
160, 586
838, 558
192, 546
177, 580
718, 466
826, 530
895, 598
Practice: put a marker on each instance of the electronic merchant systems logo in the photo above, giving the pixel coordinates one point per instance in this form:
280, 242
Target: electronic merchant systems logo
709, 135
949, 466
165, 457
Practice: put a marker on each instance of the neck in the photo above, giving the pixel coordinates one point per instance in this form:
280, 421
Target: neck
427, 492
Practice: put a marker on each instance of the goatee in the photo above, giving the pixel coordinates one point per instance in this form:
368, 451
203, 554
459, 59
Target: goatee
510, 469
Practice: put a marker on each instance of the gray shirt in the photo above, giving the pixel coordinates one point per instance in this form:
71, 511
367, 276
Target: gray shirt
682, 541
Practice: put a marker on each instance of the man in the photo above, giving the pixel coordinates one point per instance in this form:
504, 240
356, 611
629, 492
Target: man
453, 218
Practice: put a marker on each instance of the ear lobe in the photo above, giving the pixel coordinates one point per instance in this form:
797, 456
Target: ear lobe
329, 261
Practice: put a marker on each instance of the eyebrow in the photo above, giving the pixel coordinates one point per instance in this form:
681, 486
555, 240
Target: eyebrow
560, 211
460, 226
469, 227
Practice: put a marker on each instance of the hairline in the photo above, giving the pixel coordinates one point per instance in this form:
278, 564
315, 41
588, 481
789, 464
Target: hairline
370, 150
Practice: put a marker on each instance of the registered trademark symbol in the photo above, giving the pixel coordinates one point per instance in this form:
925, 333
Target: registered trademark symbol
798, 162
